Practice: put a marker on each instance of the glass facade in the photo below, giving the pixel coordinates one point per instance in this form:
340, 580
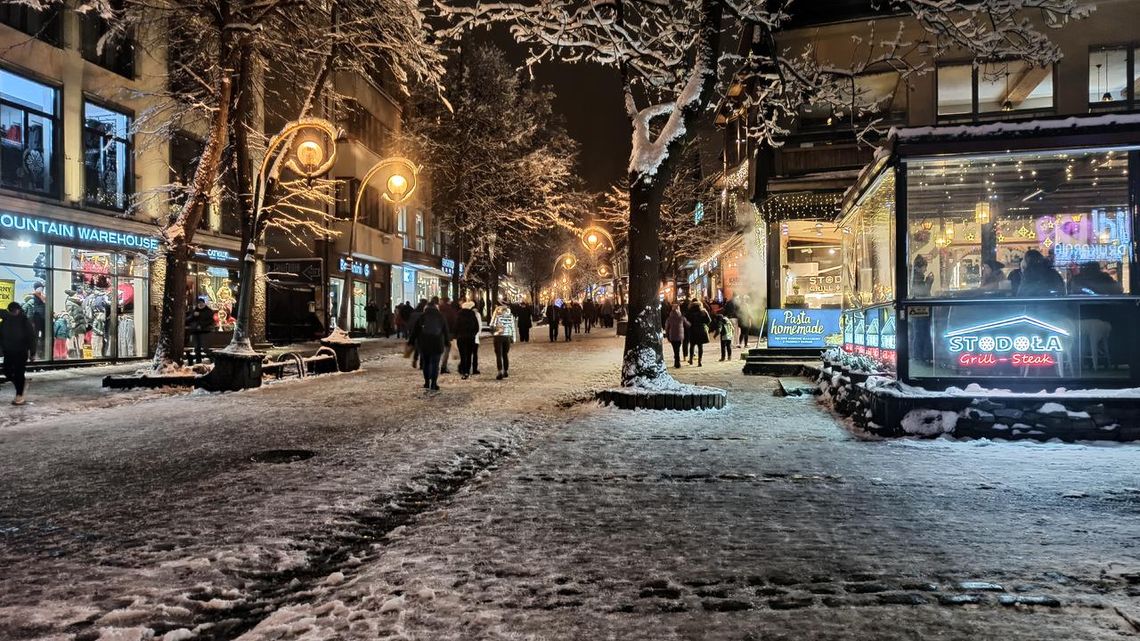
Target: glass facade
811, 261
869, 246
85, 304
1017, 265
966, 91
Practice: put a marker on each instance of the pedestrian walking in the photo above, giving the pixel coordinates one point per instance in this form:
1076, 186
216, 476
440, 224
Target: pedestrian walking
567, 315
18, 342
450, 314
372, 318
699, 321
413, 318
675, 333
723, 328
576, 316
503, 330
525, 321
467, 326
608, 313
429, 333
199, 322
553, 310
589, 313
403, 319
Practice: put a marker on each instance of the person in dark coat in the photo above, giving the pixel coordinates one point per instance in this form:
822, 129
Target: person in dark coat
18, 342
524, 315
372, 317
589, 313
450, 314
675, 326
467, 327
429, 333
1091, 280
199, 322
553, 313
699, 321
1038, 278
414, 318
576, 316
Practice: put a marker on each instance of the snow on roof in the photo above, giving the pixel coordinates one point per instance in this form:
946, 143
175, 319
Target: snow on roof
1022, 126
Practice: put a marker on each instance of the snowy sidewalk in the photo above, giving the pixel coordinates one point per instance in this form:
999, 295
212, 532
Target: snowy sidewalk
514, 510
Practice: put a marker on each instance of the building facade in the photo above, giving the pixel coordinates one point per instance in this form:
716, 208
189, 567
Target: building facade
796, 188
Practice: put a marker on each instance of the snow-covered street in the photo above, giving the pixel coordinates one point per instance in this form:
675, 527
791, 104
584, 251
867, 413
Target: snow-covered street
520, 510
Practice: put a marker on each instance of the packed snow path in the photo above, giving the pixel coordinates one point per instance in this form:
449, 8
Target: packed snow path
514, 510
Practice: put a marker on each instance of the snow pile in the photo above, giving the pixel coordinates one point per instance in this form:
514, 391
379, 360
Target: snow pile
929, 422
338, 337
1057, 408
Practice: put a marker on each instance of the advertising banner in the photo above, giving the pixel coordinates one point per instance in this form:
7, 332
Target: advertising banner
804, 328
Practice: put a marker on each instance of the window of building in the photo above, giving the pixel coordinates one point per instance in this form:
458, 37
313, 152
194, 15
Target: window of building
185, 150
436, 239
28, 112
972, 222
1109, 71
881, 95
421, 234
966, 91
869, 246
366, 127
811, 265
43, 24
402, 226
346, 190
106, 157
113, 51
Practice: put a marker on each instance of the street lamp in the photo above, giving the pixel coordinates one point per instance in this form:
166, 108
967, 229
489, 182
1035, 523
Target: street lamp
306, 147
402, 178
593, 236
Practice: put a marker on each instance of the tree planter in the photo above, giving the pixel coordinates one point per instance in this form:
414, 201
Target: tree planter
633, 399
347, 354
233, 372
149, 382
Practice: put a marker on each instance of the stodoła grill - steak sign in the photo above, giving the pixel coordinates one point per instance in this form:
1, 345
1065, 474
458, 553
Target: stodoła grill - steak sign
1021, 341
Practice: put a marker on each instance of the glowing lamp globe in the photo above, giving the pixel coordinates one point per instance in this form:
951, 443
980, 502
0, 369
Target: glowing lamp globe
310, 154
397, 187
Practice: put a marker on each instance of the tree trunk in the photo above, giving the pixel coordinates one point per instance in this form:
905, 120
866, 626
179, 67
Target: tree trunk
172, 323
643, 362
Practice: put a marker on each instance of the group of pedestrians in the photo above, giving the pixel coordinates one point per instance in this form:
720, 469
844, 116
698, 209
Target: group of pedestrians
689, 326
433, 325
573, 316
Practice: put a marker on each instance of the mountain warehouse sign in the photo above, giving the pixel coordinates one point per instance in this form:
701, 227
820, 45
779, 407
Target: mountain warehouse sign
75, 232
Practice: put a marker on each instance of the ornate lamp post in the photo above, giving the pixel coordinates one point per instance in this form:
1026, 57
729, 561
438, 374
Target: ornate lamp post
401, 178
306, 147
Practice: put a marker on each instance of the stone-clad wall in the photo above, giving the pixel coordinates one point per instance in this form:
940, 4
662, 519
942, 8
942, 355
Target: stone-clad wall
1068, 418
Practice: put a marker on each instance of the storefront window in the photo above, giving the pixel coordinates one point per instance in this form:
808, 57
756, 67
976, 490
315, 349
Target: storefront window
402, 226
812, 265
869, 245
82, 302
28, 124
106, 157
419, 230
1025, 225
218, 285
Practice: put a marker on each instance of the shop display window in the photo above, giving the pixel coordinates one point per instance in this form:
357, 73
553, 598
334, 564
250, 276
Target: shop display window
218, 285
1019, 225
28, 112
106, 157
83, 303
811, 261
869, 245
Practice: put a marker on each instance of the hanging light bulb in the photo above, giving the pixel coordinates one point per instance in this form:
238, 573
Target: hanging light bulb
1008, 104
1107, 97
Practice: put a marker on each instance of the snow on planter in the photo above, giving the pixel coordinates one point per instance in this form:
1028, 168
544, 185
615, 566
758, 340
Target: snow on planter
929, 422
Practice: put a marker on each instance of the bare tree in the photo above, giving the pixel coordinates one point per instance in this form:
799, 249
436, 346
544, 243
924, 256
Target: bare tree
668, 55
502, 167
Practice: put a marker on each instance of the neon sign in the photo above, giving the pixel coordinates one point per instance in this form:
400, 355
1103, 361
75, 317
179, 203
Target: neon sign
72, 231
1021, 341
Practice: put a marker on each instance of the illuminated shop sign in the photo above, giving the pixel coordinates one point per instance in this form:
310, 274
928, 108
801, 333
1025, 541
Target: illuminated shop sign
1101, 236
358, 268
75, 232
1021, 341
220, 255
448, 266
804, 327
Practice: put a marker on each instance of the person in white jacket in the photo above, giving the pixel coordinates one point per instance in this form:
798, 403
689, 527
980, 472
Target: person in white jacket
504, 329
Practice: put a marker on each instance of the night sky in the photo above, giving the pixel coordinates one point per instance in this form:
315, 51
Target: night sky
590, 102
